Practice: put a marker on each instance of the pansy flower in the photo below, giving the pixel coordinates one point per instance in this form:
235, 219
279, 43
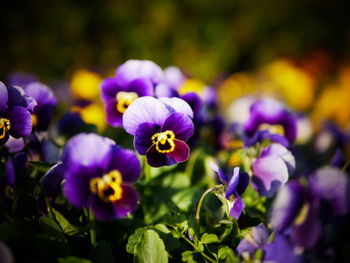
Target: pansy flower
272, 168
160, 128
133, 79
273, 116
99, 175
235, 187
15, 117
46, 102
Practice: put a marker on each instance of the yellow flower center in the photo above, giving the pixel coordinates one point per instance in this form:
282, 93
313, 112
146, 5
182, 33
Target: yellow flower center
164, 141
4, 127
274, 129
108, 188
34, 120
125, 99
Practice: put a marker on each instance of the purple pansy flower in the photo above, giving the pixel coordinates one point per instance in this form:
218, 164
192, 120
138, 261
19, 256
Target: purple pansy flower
280, 250
235, 187
271, 115
299, 208
99, 175
133, 79
15, 117
46, 102
272, 168
161, 128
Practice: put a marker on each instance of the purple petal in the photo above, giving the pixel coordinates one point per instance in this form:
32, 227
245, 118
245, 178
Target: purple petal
16, 96
103, 211
332, 185
180, 124
286, 206
51, 181
114, 117
15, 166
163, 90
109, 88
3, 97
194, 101
157, 159
281, 152
128, 203
237, 208
20, 121
125, 161
42, 94
255, 239
6, 255
144, 109
270, 173
280, 250
174, 77
143, 135
15, 145
177, 105
181, 152
143, 87
86, 150
136, 69
231, 187
243, 183
222, 176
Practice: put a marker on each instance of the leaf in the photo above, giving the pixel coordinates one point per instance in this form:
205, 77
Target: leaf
51, 227
187, 256
147, 246
40, 166
102, 253
209, 238
67, 227
187, 198
162, 228
227, 253
73, 260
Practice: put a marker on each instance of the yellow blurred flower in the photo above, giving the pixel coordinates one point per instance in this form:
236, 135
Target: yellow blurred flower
193, 85
85, 85
92, 114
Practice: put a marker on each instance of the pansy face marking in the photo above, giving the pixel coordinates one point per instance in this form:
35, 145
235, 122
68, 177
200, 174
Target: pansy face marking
4, 127
273, 128
124, 99
164, 141
108, 188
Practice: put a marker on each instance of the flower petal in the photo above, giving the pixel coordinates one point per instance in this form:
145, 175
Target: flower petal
3, 96
20, 121
157, 159
280, 250
143, 135
109, 88
222, 176
128, 203
181, 152
51, 181
255, 239
144, 109
283, 153
237, 208
143, 87
194, 101
231, 187
180, 124
177, 105
114, 117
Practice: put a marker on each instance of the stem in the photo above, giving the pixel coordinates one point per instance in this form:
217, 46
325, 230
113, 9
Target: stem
49, 208
201, 201
346, 166
92, 228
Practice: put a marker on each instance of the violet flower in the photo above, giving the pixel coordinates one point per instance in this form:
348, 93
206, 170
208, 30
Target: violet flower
235, 187
15, 117
300, 209
46, 102
160, 128
271, 115
272, 168
99, 175
133, 79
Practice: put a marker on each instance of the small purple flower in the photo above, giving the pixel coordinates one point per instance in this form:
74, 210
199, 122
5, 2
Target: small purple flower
51, 181
272, 168
255, 239
46, 102
235, 187
160, 128
273, 116
133, 79
99, 175
15, 117
299, 209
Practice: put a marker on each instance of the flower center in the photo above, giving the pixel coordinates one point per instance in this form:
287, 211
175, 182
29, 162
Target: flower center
4, 127
274, 129
125, 99
34, 120
108, 188
164, 141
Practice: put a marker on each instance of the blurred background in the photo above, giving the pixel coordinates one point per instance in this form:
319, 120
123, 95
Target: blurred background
207, 39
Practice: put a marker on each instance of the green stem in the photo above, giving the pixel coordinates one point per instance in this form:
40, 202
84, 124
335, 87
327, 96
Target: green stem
49, 208
346, 166
201, 201
92, 228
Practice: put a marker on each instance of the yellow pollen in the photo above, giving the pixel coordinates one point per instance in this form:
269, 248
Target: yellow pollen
34, 120
4, 127
108, 188
275, 129
125, 99
302, 214
164, 141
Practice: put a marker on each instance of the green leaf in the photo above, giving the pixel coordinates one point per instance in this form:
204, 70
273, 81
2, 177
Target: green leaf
162, 228
67, 227
187, 256
147, 247
226, 253
41, 166
209, 238
187, 198
73, 260
102, 253
51, 227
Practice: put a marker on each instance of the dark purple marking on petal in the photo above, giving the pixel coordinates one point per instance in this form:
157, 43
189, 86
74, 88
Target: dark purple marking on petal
20, 121
222, 176
143, 137
114, 117
103, 211
109, 89
128, 203
194, 101
143, 87
157, 159
243, 183
280, 250
16, 97
51, 181
180, 124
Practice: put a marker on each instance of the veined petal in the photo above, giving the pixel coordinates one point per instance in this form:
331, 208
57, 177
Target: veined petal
143, 135
143, 87
181, 152
20, 120
255, 239
180, 124
109, 89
